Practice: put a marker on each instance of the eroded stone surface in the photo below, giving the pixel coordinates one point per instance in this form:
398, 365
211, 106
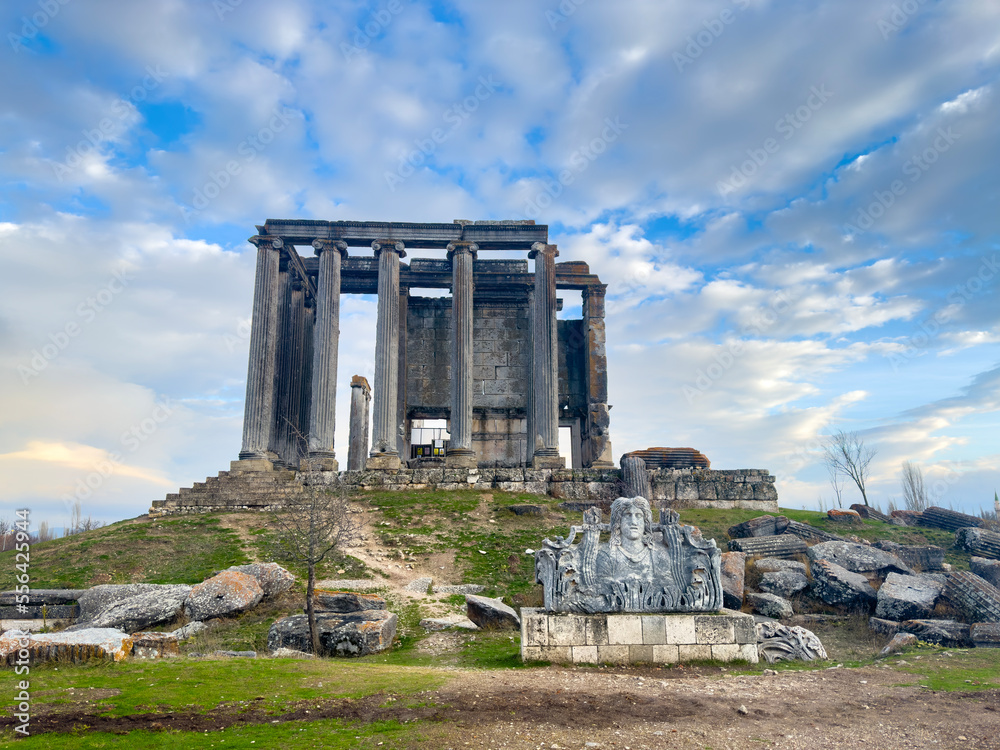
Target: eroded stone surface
837, 585
733, 569
353, 634
346, 601
770, 605
777, 642
491, 614
141, 611
784, 583
273, 578
223, 594
904, 597
75, 646
859, 558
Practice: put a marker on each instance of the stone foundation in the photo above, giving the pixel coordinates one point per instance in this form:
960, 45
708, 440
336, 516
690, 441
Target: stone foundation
637, 639
752, 489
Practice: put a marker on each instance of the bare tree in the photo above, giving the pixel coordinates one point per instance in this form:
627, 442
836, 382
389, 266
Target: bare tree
914, 491
847, 455
838, 484
44, 533
6, 537
308, 528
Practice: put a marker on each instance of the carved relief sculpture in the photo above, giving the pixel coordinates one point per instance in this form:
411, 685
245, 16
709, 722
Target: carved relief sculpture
643, 567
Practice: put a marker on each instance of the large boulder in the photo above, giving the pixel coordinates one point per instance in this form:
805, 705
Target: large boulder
141, 611
273, 578
491, 614
346, 601
784, 583
774, 564
770, 605
859, 558
907, 597
986, 569
77, 646
942, 632
843, 516
766, 525
96, 599
899, 642
351, 634
834, 584
223, 594
733, 567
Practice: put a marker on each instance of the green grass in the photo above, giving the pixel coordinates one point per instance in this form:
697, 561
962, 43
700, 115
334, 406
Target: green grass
952, 669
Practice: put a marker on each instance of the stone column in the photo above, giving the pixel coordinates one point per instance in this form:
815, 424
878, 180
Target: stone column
403, 439
384, 452
597, 440
545, 367
260, 375
460, 452
361, 396
277, 446
305, 396
296, 429
323, 407
529, 401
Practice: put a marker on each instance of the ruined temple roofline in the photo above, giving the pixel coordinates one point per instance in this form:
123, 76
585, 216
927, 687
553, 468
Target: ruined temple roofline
489, 235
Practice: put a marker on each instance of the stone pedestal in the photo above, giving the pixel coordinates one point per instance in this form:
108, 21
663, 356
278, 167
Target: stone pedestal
250, 464
637, 639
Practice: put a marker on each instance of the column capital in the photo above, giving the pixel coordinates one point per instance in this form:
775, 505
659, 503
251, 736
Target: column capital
262, 240
394, 246
463, 247
540, 248
595, 290
322, 245
360, 381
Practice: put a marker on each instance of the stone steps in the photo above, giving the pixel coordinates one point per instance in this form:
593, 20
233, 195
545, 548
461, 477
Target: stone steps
233, 489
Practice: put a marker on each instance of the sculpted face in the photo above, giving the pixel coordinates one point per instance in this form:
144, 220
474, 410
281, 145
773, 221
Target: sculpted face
633, 523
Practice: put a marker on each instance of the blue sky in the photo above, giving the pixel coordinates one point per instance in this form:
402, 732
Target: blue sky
793, 204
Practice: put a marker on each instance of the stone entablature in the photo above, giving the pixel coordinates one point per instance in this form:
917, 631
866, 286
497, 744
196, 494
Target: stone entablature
637, 639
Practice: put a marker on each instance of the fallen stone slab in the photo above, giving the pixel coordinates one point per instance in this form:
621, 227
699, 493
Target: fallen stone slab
975, 597
782, 545
920, 557
770, 605
871, 514
835, 584
783, 583
38, 597
77, 646
905, 517
810, 533
949, 520
418, 585
980, 542
225, 593
354, 584
777, 642
766, 525
985, 634
346, 601
843, 516
234, 654
273, 578
942, 632
885, 627
491, 614
41, 612
141, 611
987, 569
96, 599
189, 631
904, 597
774, 564
859, 558
448, 623
526, 509
351, 634
291, 653
733, 568
152, 645
459, 588
899, 642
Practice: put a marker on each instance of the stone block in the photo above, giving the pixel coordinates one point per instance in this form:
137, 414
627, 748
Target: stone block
624, 629
612, 654
585, 654
640, 654
748, 652
744, 629
567, 631
653, 630
534, 628
694, 652
686, 491
597, 631
713, 630
665, 654
725, 651
680, 629
531, 653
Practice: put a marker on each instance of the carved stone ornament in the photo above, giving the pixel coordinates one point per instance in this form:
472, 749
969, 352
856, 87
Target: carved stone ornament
777, 642
643, 567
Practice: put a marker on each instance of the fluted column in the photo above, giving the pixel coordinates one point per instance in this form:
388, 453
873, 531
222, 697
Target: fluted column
357, 450
597, 443
460, 452
278, 442
296, 430
263, 338
384, 454
326, 339
545, 367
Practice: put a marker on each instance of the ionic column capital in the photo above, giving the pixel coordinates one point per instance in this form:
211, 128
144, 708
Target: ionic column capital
463, 247
322, 245
394, 246
540, 248
266, 241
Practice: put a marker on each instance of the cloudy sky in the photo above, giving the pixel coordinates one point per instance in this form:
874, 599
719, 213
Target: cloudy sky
794, 205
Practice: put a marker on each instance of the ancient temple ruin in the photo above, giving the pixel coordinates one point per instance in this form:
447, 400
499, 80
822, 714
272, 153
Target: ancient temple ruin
492, 359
